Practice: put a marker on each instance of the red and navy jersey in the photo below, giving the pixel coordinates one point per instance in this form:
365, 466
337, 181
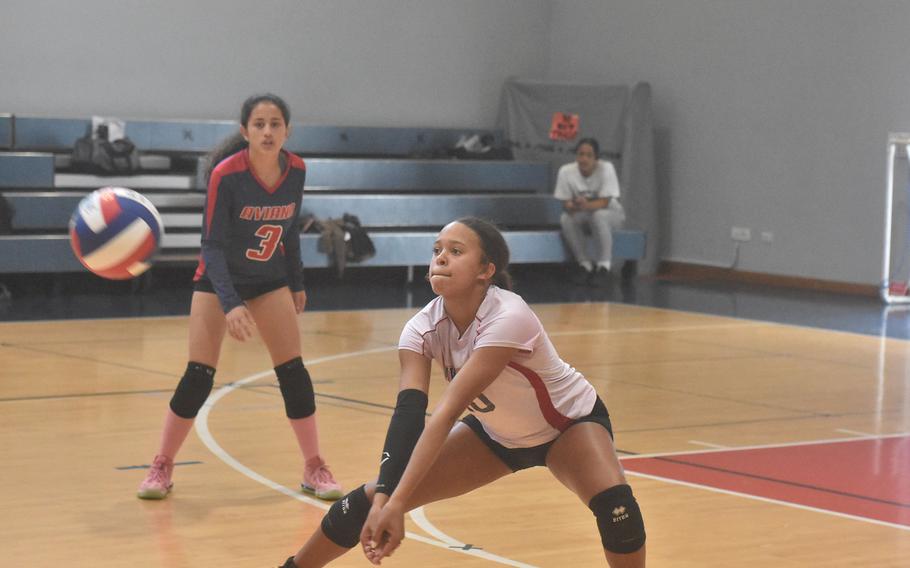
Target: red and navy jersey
254, 226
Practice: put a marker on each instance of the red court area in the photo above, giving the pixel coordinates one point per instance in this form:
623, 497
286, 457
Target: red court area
868, 477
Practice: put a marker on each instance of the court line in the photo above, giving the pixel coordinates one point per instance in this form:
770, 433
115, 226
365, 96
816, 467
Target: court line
202, 430
747, 323
766, 446
800, 485
855, 433
767, 500
708, 444
534, 305
745, 319
419, 517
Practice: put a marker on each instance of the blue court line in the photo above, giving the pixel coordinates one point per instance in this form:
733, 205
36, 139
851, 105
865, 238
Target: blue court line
146, 466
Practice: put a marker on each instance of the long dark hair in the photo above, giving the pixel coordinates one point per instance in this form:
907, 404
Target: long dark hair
235, 142
494, 247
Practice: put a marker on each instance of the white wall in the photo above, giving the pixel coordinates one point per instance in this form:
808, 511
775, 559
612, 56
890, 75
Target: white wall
774, 114
777, 114
338, 62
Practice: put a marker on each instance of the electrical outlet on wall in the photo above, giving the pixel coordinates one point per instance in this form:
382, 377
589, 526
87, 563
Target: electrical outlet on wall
743, 234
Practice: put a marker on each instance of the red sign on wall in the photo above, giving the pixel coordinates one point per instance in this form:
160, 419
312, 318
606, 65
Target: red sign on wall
563, 126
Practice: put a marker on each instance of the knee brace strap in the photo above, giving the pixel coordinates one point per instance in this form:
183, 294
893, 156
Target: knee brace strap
345, 519
296, 389
192, 390
622, 529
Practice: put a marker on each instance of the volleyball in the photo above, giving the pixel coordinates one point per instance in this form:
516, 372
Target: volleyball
114, 232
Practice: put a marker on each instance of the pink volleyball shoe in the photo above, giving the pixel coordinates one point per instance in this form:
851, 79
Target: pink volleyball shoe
319, 481
157, 484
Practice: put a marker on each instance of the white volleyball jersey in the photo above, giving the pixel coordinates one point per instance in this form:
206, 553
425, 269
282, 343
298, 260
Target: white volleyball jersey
536, 396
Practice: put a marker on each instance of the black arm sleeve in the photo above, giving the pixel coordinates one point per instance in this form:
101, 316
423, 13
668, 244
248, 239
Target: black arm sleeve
404, 431
292, 255
216, 270
215, 229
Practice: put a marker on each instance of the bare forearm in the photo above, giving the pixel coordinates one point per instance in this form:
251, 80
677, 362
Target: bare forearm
597, 203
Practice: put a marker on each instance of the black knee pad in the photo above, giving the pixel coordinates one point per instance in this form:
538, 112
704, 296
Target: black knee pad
296, 389
192, 390
622, 529
345, 519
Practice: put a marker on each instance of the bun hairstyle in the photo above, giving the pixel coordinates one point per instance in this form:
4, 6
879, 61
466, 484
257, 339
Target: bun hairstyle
494, 247
235, 142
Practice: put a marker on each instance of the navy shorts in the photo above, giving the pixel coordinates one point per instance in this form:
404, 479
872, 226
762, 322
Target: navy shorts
245, 291
522, 458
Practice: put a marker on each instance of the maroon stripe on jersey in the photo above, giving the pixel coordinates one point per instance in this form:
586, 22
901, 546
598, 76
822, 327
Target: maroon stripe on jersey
552, 416
200, 269
295, 160
230, 165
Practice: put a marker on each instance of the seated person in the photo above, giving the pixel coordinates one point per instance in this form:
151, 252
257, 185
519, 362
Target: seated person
589, 191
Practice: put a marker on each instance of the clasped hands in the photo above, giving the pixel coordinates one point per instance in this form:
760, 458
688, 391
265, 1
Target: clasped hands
383, 531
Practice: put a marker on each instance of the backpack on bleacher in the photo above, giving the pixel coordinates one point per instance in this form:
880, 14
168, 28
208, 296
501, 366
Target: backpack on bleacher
360, 246
94, 153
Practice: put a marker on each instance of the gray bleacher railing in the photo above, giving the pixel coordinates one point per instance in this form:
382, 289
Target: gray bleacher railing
424, 175
51, 253
200, 136
50, 211
402, 203
32, 169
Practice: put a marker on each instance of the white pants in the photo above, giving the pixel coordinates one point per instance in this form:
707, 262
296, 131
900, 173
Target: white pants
601, 223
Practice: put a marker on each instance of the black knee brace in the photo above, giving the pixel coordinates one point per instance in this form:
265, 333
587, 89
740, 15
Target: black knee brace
345, 519
622, 529
192, 390
296, 389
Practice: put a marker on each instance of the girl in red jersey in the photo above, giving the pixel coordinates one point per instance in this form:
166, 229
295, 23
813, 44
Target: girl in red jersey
527, 407
249, 276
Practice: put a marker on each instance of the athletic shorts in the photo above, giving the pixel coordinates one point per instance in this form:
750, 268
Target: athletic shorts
522, 458
245, 291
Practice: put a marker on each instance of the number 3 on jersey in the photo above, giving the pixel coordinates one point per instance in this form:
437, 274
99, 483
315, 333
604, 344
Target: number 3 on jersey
271, 236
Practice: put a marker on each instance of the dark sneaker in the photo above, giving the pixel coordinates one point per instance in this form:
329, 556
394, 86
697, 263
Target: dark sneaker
600, 277
579, 275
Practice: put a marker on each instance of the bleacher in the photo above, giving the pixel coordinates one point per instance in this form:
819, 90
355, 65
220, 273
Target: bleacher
393, 179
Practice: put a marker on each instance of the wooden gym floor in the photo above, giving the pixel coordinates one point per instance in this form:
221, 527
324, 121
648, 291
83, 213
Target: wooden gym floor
748, 443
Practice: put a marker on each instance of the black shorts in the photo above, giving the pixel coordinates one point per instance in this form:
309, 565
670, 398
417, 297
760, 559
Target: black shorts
245, 291
523, 458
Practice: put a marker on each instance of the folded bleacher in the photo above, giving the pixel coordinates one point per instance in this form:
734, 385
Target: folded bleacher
396, 180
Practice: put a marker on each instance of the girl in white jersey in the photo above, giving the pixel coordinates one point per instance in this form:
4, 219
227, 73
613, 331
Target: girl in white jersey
526, 408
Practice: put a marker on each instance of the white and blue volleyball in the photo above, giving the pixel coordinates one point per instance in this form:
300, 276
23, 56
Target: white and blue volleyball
115, 231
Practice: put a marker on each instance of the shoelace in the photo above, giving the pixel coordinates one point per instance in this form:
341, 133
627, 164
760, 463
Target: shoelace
158, 472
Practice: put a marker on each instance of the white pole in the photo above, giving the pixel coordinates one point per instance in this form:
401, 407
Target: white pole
884, 289
894, 139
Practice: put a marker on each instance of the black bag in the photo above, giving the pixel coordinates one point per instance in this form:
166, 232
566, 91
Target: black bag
360, 247
98, 155
117, 157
